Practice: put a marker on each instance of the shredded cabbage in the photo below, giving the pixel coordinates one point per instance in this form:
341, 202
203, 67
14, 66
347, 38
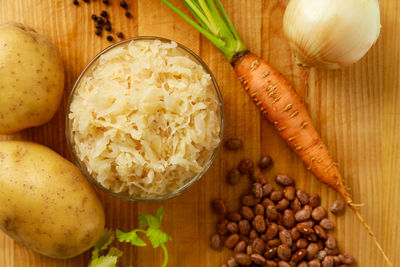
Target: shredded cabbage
145, 119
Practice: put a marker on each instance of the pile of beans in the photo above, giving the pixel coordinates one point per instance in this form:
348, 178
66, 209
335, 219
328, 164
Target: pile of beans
276, 227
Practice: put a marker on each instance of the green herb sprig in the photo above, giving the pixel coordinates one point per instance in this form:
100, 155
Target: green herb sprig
149, 226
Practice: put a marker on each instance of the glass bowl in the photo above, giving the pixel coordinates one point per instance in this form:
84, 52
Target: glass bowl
125, 195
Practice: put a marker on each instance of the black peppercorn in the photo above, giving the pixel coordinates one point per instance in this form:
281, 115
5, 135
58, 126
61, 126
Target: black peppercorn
123, 4
94, 17
75, 2
98, 32
108, 28
86, 1
108, 22
104, 14
128, 14
98, 26
106, 2
109, 38
100, 20
120, 34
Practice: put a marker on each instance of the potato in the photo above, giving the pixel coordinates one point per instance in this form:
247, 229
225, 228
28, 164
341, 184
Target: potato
46, 203
31, 78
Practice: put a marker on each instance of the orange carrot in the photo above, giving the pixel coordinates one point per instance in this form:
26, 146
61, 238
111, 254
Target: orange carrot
280, 104
273, 95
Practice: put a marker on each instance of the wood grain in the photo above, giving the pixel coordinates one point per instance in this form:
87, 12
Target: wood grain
356, 110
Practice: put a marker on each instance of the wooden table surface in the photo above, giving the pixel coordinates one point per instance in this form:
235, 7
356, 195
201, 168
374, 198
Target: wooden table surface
355, 109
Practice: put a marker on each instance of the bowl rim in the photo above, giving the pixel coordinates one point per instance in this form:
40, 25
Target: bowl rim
68, 131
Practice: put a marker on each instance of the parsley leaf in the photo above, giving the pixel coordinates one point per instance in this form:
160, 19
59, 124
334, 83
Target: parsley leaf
104, 261
160, 214
130, 237
157, 237
148, 220
105, 240
111, 258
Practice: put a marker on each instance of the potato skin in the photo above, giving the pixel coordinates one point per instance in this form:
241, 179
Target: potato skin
46, 203
31, 78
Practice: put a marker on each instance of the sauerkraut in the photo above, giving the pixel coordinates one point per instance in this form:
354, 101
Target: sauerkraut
145, 119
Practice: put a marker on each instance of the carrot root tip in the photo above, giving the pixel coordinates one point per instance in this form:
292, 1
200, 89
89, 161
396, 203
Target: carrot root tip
370, 232
357, 205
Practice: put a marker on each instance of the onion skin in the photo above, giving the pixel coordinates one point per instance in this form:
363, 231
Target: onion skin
331, 33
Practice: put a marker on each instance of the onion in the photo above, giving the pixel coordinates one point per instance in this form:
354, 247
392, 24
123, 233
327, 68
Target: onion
331, 33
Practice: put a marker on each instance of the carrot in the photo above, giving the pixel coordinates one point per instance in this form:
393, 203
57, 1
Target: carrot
280, 104
273, 95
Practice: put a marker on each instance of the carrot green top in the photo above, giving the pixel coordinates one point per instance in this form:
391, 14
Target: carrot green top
214, 24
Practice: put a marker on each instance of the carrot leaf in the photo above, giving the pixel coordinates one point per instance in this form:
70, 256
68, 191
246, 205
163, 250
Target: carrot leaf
213, 23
